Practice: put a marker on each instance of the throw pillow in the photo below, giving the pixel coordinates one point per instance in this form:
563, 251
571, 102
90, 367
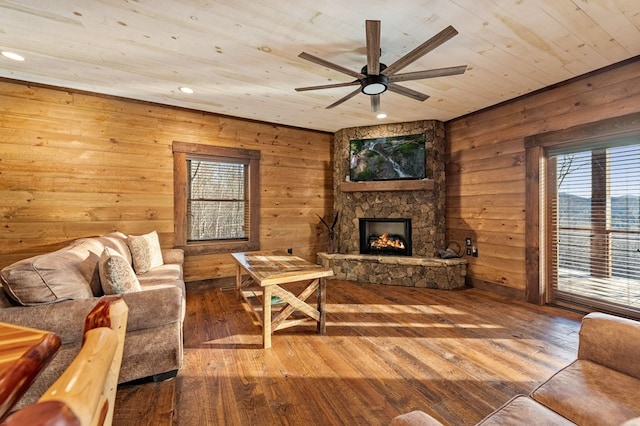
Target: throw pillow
145, 252
116, 275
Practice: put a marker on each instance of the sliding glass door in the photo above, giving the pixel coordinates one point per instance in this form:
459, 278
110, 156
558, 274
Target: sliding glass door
593, 217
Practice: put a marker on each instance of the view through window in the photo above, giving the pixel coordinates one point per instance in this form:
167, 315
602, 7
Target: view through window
218, 206
595, 226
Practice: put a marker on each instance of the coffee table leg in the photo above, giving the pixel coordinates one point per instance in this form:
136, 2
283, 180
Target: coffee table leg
239, 281
322, 299
266, 317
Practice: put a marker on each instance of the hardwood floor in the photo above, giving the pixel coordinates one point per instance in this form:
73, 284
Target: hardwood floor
457, 355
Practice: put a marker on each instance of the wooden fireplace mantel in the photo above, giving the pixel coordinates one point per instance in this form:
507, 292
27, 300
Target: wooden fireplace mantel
387, 185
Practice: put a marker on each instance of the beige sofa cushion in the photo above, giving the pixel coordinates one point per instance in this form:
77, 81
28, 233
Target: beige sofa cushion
114, 240
60, 275
116, 274
145, 251
589, 394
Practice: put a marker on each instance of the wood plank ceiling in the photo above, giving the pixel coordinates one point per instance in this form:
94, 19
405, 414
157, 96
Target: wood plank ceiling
241, 57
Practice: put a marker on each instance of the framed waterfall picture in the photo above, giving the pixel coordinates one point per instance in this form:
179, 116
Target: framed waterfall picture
387, 158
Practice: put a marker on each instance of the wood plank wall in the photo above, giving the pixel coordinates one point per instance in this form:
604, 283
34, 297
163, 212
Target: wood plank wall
75, 164
486, 171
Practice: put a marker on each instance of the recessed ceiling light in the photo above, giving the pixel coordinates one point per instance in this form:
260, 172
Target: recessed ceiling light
12, 56
381, 115
186, 90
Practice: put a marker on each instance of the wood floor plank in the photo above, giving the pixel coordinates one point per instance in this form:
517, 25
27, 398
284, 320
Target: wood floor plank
387, 350
148, 404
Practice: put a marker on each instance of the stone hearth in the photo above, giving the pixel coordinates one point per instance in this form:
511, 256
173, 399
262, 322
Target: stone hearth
405, 271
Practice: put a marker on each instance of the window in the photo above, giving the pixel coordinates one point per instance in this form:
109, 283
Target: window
216, 196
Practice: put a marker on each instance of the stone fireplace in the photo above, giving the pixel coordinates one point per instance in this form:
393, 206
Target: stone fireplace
425, 208
419, 203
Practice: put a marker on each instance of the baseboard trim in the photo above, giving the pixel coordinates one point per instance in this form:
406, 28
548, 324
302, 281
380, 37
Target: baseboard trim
224, 283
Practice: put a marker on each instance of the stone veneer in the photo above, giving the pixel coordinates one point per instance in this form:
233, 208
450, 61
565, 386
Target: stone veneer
425, 208
405, 271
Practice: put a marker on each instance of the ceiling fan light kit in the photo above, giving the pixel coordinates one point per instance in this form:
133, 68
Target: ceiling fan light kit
376, 78
374, 84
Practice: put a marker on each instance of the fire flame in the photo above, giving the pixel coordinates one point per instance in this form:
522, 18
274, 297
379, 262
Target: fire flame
383, 241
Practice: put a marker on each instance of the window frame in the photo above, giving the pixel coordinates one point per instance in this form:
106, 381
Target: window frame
182, 152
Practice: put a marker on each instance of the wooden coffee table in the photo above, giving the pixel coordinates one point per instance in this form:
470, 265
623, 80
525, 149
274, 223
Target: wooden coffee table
267, 273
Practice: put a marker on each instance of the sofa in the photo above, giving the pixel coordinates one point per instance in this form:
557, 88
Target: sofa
601, 387
55, 291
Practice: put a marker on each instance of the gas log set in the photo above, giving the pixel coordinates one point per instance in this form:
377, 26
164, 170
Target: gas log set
386, 242
385, 236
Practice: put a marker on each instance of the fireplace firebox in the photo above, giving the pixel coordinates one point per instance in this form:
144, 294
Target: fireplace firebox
385, 236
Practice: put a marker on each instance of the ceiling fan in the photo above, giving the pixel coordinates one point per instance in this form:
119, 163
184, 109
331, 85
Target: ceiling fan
376, 77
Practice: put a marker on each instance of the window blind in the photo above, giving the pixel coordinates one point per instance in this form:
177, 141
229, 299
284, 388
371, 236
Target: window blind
595, 226
217, 204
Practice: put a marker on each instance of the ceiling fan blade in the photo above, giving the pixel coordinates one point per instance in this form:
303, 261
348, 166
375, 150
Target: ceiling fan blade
419, 75
344, 99
327, 86
407, 92
421, 50
331, 65
373, 47
375, 103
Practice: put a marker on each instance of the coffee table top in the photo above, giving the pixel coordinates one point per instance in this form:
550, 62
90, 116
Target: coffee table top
272, 268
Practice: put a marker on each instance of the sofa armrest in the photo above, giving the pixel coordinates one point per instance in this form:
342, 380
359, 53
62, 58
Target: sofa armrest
173, 256
66, 319
611, 341
147, 309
